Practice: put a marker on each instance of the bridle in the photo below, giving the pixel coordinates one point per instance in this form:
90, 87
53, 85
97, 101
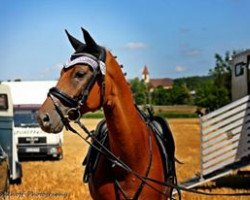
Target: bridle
75, 104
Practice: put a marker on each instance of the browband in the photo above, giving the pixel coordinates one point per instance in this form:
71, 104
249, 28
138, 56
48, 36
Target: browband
87, 59
83, 60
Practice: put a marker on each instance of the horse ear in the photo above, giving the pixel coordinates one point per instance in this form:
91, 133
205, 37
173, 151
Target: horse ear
74, 42
88, 39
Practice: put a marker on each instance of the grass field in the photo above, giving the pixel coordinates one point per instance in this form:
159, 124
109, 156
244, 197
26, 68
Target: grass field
63, 179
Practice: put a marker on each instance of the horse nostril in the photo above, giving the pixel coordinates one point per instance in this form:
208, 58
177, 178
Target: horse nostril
44, 121
46, 118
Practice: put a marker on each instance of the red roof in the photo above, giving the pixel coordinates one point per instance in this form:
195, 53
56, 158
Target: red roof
165, 82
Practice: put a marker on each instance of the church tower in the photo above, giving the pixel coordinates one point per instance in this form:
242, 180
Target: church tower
145, 74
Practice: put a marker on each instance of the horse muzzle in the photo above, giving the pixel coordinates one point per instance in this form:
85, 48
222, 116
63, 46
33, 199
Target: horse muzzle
48, 119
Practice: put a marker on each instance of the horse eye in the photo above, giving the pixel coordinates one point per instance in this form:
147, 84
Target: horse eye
79, 74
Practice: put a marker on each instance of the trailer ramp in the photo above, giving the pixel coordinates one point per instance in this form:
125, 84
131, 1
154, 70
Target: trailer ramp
225, 142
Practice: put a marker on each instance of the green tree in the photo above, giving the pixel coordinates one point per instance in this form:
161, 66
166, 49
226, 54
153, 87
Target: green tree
180, 95
139, 90
160, 96
209, 96
221, 73
192, 82
216, 93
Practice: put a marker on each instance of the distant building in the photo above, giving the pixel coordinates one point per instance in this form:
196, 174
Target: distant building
166, 83
145, 74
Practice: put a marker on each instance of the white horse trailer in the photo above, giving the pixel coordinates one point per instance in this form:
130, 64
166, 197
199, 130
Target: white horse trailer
7, 139
225, 133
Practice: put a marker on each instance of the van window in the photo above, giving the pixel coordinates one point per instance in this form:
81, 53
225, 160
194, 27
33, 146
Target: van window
25, 118
3, 102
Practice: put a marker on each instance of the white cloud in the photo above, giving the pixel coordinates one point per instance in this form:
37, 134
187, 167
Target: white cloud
189, 51
46, 72
180, 68
184, 30
192, 52
135, 45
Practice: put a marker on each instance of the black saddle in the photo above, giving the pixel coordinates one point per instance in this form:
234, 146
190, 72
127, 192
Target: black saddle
166, 143
163, 135
92, 157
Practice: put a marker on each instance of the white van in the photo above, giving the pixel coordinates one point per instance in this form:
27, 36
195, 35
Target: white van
7, 138
32, 142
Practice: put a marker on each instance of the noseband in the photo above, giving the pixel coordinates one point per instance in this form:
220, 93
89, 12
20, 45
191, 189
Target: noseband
75, 104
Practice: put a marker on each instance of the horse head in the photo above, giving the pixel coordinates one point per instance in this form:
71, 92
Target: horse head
79, 88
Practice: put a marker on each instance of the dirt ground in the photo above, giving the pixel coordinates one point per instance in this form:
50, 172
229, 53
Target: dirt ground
63, 179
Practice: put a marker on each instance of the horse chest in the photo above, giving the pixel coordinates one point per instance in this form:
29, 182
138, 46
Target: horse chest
103, 182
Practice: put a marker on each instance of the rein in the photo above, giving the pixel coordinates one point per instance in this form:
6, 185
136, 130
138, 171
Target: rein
74, 114
118, 162
145, 179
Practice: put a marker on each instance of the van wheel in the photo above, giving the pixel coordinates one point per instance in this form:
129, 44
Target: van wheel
60, 157
17, 181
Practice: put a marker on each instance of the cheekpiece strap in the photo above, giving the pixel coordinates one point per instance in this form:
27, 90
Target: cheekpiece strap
102, 67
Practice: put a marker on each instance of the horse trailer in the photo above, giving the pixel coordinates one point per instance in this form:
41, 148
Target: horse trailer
7, 139
225, 132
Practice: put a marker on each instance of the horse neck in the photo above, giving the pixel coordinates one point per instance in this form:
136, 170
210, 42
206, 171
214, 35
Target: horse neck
127, 131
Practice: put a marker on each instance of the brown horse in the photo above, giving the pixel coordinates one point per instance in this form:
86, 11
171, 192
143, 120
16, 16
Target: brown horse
93, 79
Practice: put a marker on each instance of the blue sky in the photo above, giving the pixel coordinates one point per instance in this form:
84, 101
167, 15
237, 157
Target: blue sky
173, 38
